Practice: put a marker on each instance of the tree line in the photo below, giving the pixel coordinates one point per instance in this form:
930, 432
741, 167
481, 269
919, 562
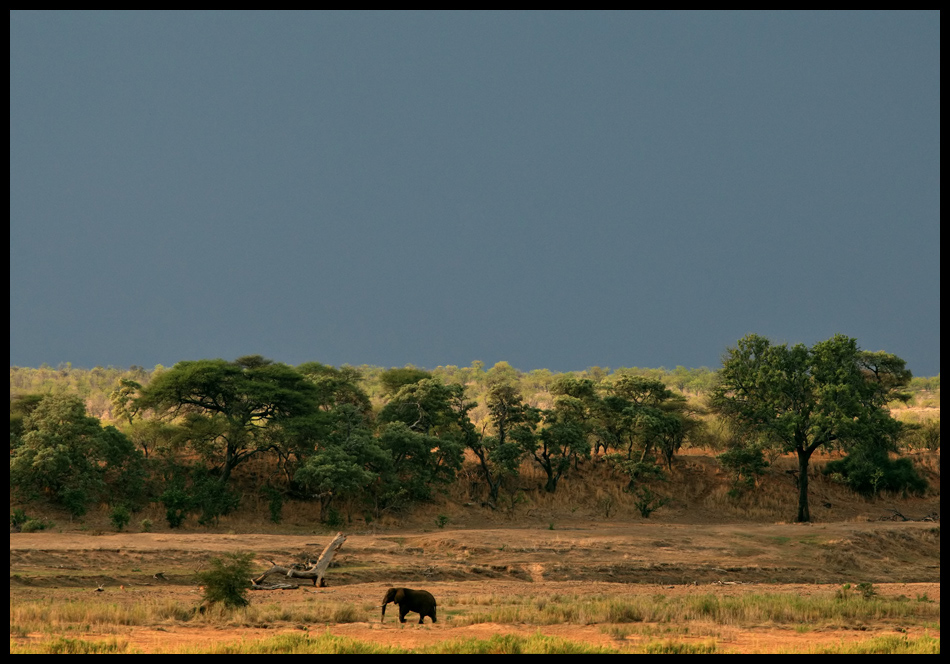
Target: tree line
384, 439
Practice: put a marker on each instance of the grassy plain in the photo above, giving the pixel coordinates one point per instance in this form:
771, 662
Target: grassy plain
585, 587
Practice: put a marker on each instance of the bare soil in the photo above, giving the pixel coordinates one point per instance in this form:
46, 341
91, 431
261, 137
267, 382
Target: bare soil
581, 558
586, 540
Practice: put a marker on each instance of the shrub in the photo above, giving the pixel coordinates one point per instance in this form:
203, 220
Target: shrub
333, 518
177, 504
745, 463
870, 471
32, 525
275, 503
120, 517
17, 519
647, 502
228, 580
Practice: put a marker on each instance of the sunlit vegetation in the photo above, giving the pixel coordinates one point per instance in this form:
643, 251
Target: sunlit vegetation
368, 442
650, 623
749, 609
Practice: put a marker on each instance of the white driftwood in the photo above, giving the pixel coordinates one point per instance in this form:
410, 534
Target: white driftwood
314, 572
274, 586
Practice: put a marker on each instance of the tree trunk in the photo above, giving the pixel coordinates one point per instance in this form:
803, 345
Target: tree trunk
314, 572
493, 484
803, 455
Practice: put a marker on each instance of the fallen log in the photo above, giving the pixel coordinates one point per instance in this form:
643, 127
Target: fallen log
274, 586
315, 572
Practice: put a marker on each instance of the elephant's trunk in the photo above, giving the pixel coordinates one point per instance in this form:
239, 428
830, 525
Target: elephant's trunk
383, 617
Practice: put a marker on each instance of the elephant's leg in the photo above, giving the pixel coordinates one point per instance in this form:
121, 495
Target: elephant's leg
402, 614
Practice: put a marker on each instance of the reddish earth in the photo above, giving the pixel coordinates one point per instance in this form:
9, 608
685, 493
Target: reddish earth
581, 558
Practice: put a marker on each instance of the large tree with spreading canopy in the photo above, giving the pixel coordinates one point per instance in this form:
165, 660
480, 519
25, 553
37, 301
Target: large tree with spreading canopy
801, 399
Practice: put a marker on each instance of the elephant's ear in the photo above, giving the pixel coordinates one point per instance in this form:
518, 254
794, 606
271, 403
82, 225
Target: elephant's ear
400, 594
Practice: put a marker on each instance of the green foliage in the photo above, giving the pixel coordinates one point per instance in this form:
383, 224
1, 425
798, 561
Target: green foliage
634, 470
146, 525
671, 647
801, 399
639, 417
336, 387
395, 379
69, 456
889, 644
178, 503
213, 497
329, 443
275, 502
498, 455
120, 517
62, 645
228, 580
232, 410
422, 430
557, 437
17, 519
122, 399
333, 518
196, 490
844, 592
867, 590
427, 406
347, 461
21, 407
33, 525
441, 521
744, 463
647, 502
153, 436
869, 471
419, 462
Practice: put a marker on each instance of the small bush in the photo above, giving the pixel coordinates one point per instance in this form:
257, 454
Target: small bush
17, 519
177, 504
867, 590
32, 525
871, 471
275, 503
228, 580
647, 502
120, 517
333, 518
745, 463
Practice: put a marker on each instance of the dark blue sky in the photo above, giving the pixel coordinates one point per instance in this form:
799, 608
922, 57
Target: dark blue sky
556, 190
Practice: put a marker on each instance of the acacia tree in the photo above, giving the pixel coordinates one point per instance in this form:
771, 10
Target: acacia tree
424, 430
802, 399
336, 387
498, 455
231, 409
564, 436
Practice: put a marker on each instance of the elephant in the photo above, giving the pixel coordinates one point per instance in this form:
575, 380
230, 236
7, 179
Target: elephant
419, 601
